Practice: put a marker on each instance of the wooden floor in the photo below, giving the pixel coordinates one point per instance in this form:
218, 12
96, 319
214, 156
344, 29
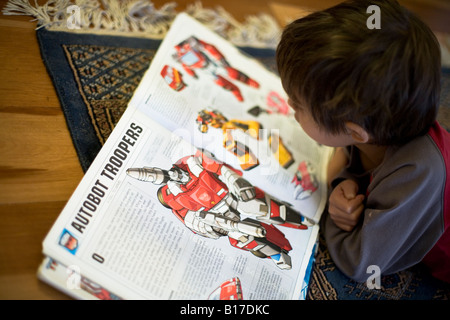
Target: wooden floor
39, 168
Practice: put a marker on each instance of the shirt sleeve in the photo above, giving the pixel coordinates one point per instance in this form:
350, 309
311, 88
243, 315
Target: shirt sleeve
354, 171
402, 219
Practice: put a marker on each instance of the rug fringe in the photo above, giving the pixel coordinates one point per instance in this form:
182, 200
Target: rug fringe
142, 18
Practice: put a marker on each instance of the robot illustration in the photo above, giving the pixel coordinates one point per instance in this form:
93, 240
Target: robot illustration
305, 181
173, 78
96, 290
277, 104
247, 159
280, 151
211, 199
195, 54
230, 289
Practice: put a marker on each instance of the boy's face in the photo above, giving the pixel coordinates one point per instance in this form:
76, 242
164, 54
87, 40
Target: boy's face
313, 130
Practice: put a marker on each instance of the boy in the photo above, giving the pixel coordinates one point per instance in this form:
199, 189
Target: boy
374, 94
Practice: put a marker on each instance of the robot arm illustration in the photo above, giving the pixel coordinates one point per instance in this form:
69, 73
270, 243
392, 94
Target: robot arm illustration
193, 222
173, 78
262, 240
230, 225
237, 185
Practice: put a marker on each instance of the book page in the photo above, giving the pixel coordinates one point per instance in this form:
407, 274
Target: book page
117, 231
69, 280
207, 188
206, 91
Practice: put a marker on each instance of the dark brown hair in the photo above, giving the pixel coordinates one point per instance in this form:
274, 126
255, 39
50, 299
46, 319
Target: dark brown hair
386, 80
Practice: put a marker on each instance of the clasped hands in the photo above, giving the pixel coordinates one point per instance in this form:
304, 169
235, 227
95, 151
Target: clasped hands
346, 205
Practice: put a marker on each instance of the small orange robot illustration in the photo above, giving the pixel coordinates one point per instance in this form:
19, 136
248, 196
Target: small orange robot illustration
247, 158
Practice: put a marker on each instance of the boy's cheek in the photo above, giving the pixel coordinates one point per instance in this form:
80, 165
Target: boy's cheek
297, 118
300, 116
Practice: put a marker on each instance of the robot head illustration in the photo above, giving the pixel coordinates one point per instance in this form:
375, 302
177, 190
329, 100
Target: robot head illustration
68, 241
191, 53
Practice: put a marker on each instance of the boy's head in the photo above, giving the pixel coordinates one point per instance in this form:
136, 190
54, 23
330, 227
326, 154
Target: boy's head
384, 80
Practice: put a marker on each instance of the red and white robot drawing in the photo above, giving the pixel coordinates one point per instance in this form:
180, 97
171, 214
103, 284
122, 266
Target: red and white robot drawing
230, 289
213, 200
305, 181
197, 56
173, 78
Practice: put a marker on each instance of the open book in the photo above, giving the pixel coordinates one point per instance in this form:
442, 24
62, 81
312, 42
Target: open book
207, 188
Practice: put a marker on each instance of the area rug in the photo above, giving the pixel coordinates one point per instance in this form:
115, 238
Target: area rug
96, 75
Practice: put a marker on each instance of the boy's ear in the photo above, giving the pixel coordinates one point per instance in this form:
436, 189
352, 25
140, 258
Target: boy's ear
358, 133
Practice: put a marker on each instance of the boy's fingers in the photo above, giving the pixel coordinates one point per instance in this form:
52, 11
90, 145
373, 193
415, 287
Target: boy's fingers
356, 201
344, 216
349, 188
347, 217
346, 206
347, 222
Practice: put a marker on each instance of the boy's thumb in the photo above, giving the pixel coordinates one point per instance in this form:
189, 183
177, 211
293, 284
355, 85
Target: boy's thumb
350, 189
